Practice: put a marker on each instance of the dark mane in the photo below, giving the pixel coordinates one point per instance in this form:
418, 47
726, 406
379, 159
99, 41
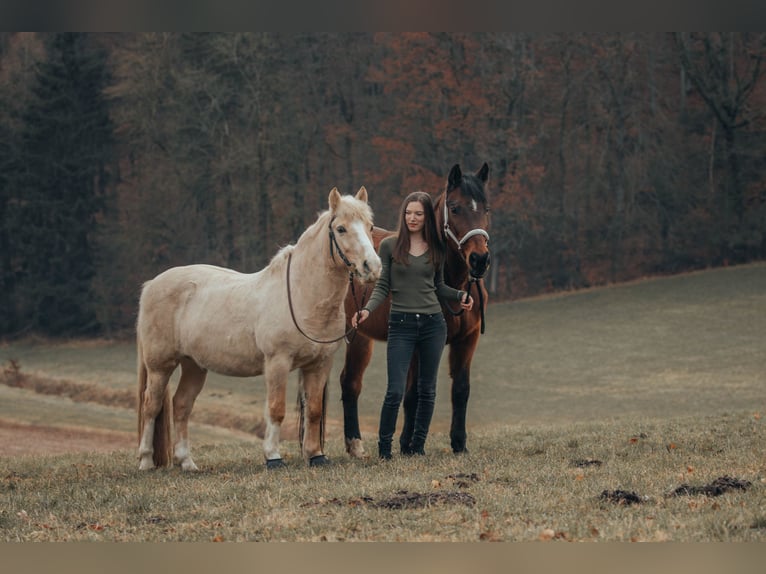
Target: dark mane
471, 186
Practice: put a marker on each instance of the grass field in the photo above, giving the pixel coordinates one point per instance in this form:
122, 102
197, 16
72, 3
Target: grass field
634, 389
592, 481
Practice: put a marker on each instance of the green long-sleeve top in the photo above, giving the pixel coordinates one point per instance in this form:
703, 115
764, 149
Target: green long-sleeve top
414, 288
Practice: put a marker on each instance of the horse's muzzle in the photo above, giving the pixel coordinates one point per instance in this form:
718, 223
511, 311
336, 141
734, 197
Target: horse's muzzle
478, 263
370, 271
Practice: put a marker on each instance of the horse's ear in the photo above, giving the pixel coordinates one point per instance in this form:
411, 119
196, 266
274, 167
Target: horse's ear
362, 194
334, 199
455, 175
483, 173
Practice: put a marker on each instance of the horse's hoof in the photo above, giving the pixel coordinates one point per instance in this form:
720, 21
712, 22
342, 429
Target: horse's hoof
355, 448
275, 463
319, 460
189, 466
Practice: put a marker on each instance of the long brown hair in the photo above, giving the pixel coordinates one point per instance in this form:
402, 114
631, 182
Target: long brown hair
430, 232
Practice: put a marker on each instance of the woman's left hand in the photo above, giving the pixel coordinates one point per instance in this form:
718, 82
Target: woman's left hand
467, 302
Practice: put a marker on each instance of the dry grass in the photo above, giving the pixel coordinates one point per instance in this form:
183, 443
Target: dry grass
660, 381
517, 484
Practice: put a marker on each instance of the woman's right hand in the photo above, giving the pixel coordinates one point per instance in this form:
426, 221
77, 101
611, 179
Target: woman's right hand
359, 317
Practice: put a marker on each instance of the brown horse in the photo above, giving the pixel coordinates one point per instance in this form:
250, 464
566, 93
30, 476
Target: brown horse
208, 318
462, 213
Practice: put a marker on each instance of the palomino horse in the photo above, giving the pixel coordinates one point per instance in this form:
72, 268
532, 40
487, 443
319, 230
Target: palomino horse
462, 213
209, 318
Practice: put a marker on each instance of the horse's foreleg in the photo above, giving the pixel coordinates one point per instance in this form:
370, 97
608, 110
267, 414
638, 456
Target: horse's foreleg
189, 387
154, 407
460, 371
358, 354
314, 383
410, 405
276, 372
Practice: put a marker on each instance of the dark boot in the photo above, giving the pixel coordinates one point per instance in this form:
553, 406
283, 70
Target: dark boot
416, 448
384, 450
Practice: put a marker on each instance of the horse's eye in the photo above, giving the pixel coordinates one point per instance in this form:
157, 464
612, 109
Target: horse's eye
341, 229
454, 209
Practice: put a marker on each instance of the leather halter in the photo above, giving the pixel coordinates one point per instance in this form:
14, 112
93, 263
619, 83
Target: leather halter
471, 278
333, 242
466, 237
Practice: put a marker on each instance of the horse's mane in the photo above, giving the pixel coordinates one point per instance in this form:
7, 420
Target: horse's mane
281, 256
321, 224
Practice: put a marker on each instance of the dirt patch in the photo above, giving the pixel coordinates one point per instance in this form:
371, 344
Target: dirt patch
405, 499
19, 439
402, 499
621, 497
718, 487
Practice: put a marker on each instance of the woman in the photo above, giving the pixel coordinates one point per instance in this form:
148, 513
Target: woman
413, 273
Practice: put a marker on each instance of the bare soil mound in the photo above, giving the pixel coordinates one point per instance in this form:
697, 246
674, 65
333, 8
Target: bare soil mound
18, 439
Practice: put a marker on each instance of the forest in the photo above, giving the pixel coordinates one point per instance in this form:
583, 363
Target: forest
613, 156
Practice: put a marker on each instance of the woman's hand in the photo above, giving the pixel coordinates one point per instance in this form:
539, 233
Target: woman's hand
467, 302
359, 317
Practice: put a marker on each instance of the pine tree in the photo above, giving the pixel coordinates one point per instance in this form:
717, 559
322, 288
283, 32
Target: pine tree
59, 187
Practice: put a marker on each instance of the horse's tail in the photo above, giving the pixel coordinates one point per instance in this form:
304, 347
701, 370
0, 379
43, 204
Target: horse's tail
301, 407
324, 417
301, 413
161, 441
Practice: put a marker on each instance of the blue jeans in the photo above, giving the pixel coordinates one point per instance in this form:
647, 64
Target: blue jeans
407, 333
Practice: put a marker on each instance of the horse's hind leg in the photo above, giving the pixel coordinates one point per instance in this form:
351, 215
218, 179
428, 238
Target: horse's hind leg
358, 354
154, 444
314, 383
189, 387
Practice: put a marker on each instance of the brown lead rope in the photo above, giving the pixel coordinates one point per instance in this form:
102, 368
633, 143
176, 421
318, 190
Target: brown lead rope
292, 312
471, 281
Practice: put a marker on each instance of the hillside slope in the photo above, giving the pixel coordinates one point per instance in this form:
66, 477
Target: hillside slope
685, 345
